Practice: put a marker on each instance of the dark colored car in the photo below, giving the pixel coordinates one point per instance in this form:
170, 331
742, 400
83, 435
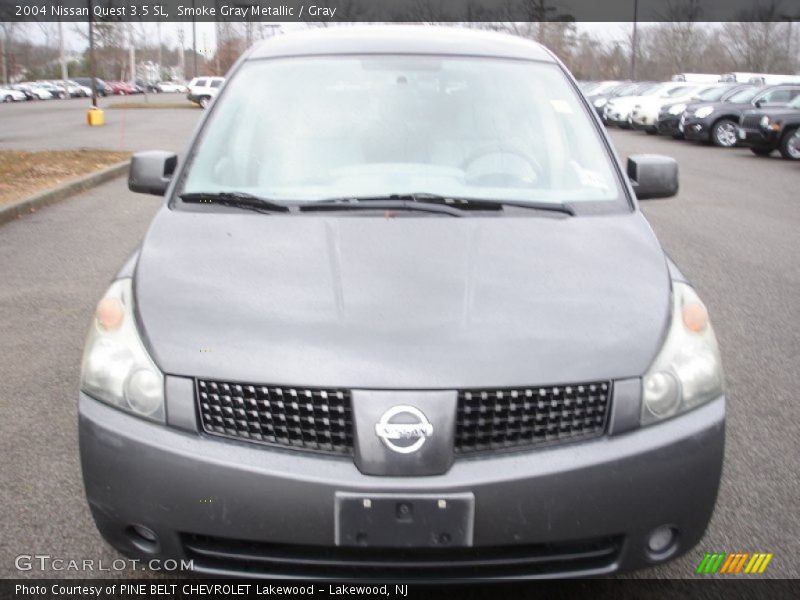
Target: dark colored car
718, 122
145, 86
401, 316
101, 88
767, 129
669, 117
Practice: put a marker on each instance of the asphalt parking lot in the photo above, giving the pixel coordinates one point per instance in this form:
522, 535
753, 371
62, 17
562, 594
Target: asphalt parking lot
61, 124
733, 230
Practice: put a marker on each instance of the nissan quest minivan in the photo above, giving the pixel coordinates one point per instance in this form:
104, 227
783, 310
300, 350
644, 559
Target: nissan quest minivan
400, 317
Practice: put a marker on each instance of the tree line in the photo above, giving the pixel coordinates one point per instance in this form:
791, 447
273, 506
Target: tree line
658, 50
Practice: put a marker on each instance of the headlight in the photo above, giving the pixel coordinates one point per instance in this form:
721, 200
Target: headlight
676, 109
116, 366
764, 122
688, 371
703, 112
600, 102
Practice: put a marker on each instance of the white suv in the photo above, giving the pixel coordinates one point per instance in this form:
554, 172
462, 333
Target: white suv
204, 89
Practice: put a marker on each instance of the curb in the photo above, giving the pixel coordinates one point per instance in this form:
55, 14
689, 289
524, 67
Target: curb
60, 192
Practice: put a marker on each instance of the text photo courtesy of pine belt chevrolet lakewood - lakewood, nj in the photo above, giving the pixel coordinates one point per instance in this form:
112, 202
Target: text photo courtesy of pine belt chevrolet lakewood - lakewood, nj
374, 305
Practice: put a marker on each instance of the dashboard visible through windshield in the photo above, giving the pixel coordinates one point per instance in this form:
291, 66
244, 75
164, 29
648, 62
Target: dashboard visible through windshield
314, 128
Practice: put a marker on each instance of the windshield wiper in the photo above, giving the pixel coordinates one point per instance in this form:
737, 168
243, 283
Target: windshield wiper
236, 200
426, 201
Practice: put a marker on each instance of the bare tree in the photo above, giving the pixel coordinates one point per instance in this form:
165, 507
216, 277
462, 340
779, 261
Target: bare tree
756, 43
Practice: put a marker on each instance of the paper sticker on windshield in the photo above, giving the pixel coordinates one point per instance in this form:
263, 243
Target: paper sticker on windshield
562, 106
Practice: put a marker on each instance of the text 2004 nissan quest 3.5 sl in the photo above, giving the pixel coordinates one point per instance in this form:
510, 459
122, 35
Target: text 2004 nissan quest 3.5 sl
400, 316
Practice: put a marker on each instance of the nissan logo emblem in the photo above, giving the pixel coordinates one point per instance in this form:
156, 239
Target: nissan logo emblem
403, 429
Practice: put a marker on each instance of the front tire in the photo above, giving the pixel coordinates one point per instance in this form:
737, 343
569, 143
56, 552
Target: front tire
723, 133
790, 145
204, 101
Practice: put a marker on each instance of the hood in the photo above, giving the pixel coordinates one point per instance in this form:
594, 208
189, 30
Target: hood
725, 107
420, 303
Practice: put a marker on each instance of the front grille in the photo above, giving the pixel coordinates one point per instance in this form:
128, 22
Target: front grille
750, 121
510, 418
304, 418
222, 556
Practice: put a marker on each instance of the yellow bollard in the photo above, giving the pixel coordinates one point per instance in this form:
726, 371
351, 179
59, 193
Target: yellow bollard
95, 117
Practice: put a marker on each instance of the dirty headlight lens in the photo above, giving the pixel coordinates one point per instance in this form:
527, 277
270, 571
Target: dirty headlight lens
116, 366
688, 371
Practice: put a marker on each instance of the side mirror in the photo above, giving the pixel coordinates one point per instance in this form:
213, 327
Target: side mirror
759, 104
653, 175
151, 171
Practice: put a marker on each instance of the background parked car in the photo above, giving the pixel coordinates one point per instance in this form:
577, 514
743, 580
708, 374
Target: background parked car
9, 95
120, 88
32, 92
203, 90
717, 122
170, 87
618, 110
669, 116
766, 129
599, 101
147, 86
55, 90
100, 86
645, 114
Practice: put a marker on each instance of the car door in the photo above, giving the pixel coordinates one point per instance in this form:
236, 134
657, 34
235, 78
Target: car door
776, 97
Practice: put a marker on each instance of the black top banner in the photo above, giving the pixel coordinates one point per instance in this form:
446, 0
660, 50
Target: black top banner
430, 11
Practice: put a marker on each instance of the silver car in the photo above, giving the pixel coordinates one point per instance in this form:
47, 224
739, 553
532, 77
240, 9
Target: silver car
400, 316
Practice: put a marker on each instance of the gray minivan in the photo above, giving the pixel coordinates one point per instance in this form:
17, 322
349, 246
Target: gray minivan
400, 316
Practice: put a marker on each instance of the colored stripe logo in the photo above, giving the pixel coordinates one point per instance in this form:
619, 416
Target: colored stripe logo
732, 563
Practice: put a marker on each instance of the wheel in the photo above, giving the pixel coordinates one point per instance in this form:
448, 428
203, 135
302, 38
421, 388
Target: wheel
723, 133
7, 99
204, 101
790, 145
759, 151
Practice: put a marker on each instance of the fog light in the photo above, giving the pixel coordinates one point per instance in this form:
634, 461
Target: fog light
142, 537
661, 540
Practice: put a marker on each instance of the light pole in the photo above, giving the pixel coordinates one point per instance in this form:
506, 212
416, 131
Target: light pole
633, 39
789, 57
194, 42
91, 55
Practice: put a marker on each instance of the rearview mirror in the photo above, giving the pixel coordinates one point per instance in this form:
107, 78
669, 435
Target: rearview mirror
653, 175
151, 171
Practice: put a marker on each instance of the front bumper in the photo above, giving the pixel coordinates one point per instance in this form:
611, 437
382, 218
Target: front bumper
235, 508
758, 138
697, 130
642, 120
669, 125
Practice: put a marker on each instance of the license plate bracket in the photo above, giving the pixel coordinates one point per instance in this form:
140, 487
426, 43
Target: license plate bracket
404, 520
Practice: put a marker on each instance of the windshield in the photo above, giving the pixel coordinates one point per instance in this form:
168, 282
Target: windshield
624, 89
345, 127
679, 91
713, 94
744, 96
